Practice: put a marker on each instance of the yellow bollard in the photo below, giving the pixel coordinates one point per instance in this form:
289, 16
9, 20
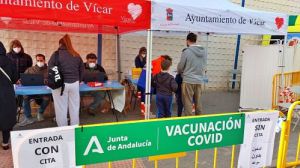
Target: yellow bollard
215, 157
196, 158
156, 164
109, 165
232, 156
133, 163
177, 162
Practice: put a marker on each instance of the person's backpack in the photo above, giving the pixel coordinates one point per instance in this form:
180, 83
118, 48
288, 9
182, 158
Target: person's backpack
55, 78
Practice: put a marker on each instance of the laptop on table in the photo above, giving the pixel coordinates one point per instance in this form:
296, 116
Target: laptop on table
32, 79
94, 77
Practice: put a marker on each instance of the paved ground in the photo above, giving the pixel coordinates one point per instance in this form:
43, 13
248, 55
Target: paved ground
213, 102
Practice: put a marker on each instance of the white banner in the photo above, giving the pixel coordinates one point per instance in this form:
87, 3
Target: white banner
259, 136
44, 148
209, 16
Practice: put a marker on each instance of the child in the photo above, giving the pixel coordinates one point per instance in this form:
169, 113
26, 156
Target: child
165, 84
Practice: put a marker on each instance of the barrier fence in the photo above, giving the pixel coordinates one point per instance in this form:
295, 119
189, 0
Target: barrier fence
282, 151
284, 141
156, 139
280, 81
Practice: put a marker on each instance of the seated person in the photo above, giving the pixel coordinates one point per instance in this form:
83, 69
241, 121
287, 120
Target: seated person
42, 100
91, 66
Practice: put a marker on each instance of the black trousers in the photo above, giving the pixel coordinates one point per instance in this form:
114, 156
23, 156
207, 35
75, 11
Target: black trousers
6, 136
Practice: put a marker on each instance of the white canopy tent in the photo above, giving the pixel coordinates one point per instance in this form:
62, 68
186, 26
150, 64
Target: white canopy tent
217, 16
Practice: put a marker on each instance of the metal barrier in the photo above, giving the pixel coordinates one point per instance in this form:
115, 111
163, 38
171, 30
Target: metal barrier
282, 151
283, 80
177, 156
284, 141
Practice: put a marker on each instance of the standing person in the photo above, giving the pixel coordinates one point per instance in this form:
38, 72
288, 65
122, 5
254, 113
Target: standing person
19, 57
140, 59
71, 68
42, 100
178, 79
165, 84
140, 62
8, 108
192, 68
91, 66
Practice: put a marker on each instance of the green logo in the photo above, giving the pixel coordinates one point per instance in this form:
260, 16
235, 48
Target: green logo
112, 142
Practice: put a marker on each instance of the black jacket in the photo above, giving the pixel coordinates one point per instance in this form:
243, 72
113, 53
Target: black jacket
98, 68
139, 63
71, 67
21, 60
8, 107
164, 83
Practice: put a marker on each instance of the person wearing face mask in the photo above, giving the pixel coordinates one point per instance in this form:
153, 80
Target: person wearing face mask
192, 68
140, 59
42, 100
91, 66
19, 57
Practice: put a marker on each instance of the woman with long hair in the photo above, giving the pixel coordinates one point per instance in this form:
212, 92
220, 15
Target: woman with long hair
8, 108
19, 57
140, 59
71, 68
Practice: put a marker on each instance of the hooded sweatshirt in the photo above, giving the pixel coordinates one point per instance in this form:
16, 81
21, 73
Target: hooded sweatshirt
164, 83
7, 65
193, 64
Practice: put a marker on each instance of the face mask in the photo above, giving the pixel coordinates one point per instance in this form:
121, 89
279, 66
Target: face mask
40, 64
92, 65
17, 50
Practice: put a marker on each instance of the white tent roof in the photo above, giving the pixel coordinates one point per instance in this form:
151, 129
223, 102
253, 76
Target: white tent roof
217, 16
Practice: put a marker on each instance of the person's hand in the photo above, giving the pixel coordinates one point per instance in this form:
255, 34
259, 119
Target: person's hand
19, 82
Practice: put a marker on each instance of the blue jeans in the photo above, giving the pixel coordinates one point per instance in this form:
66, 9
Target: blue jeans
98, 97
43, 101
164, 105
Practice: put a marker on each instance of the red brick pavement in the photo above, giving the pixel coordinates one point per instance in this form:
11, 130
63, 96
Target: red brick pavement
120, 164
6, 159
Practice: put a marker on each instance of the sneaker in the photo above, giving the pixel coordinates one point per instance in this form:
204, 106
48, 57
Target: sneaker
26, 121
5, 146
40, 117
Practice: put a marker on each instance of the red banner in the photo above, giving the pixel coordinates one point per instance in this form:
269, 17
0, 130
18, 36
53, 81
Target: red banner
93, 16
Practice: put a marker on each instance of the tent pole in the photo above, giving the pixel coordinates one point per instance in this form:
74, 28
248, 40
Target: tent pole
148, 75
206, 55
282, 61
237, 50
99, 49
118, 53
236, 58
